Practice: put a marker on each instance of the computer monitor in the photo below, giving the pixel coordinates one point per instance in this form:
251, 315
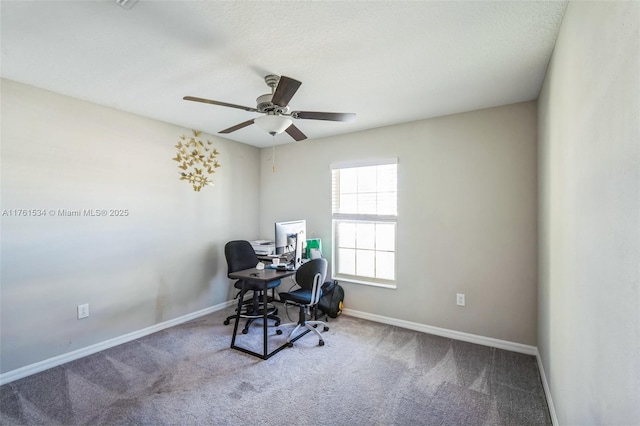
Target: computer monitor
291, 239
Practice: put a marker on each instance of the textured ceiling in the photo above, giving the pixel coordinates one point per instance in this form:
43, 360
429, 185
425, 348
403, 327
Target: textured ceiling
389, 62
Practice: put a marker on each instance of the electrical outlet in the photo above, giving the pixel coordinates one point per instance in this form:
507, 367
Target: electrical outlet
83, 311
460, 299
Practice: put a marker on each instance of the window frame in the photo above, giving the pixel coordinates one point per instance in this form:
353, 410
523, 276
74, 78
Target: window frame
337, 218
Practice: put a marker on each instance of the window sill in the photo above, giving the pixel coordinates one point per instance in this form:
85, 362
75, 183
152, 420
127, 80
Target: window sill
362, 282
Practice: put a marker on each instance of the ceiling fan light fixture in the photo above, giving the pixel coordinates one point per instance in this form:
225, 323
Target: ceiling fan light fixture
273, 124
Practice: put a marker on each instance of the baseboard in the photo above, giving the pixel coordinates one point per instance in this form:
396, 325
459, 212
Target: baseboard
443, 332
547, 390
28, 370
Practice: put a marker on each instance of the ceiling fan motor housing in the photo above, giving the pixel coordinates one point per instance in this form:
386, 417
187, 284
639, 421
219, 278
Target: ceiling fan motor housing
264, 104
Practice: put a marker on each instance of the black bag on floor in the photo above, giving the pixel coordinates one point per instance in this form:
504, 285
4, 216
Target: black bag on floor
332, 300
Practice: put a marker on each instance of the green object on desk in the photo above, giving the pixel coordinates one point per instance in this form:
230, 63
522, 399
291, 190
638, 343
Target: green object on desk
315, 244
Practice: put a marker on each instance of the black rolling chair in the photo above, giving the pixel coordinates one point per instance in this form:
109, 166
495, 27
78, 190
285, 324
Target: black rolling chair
240, 255
310, 277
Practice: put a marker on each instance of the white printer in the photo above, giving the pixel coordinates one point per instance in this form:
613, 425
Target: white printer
263, 247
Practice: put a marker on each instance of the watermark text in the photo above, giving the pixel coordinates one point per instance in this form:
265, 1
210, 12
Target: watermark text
65, 212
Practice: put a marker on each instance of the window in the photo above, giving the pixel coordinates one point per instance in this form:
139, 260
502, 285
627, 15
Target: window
364, 213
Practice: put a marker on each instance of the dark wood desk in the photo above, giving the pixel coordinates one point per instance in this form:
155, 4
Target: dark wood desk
263, 276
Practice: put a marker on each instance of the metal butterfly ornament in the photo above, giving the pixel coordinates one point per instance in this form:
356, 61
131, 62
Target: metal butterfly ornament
197, 160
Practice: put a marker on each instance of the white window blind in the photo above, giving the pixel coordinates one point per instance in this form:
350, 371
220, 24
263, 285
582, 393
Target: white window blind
364, 213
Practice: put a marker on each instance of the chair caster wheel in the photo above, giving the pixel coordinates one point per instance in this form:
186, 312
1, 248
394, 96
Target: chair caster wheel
226, 322
277, 323
321, 343
326, 329
278, 332
245, 331
289, 345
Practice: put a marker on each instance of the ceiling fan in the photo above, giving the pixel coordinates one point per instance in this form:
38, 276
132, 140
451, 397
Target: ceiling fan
275, 106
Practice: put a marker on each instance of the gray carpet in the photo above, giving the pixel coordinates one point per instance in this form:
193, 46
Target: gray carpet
366, 374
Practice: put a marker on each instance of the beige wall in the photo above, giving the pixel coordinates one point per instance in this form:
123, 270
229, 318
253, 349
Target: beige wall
162, 261
466, 220
467, 224
589, 292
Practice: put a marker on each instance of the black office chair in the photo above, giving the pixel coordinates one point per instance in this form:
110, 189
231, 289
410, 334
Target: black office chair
310, 277
240, 255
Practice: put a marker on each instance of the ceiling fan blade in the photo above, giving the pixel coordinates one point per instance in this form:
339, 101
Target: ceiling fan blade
287, 87
295, 133
224, 104
237, 127
327, 116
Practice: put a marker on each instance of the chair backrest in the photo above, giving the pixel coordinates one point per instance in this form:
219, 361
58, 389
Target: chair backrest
240, 255
310, 276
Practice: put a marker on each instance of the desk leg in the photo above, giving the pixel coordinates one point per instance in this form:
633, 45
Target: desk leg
265, 354
265, 297
235, 324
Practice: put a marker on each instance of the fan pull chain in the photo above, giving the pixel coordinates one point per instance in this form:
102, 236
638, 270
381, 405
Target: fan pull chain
273, 155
